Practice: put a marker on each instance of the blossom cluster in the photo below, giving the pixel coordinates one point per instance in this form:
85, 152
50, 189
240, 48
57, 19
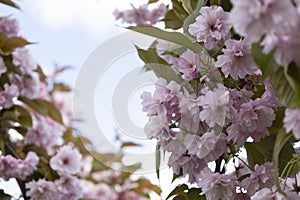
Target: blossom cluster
216, 103
38, 147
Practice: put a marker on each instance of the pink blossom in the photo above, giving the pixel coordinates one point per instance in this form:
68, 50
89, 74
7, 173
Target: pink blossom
3, 68
261, 177
190, 109
255, 18
28, 166
212, 27
269, 97
292, 121
263, 194
9, 26
217, 186
42, 189
98, 191
188, 64
237, 59
208, 147
215, 106
69, 187
190, 165
141, 15
253, 119
45, 133
8, 167
11, 167
6, 96
286, 41
29, 85
62, 101
23, 59
162, 109
67, 160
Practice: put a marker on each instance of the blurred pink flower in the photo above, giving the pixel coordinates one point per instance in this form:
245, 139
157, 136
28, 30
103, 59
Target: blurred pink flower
45, 133
69, 187
41, 189
6, 96
23, 59
67, 160
254, 18
142, 15
292, 121
9, 26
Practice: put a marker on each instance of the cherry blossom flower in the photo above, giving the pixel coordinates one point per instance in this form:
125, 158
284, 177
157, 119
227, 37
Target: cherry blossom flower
6, 96
292, 121
217, 186
27, 166
208, 147
141, 15
261, 177
9, 26
286, 41
8, 167
45, 133
69, 187
215, 106
253, 119
98, 191
252, 19
41, 189
237, 59
212, 27
263, 194
23, 59
190, 165
188, 64
67, 160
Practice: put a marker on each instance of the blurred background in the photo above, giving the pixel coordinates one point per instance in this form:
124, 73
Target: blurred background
66, 32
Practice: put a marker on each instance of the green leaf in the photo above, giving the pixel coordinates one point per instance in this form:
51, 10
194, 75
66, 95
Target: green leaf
129, 144
144, 184
194, 193
150, 56
44, 108
4, 196
281, 139
179, 190
61, 87
174, 37
152, 1
165, 72
13, 42
9, 3
179, 10
24, 117
171, 20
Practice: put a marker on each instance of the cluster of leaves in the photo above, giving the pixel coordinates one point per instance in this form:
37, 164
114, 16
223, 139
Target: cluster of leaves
19, 118
278, 146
